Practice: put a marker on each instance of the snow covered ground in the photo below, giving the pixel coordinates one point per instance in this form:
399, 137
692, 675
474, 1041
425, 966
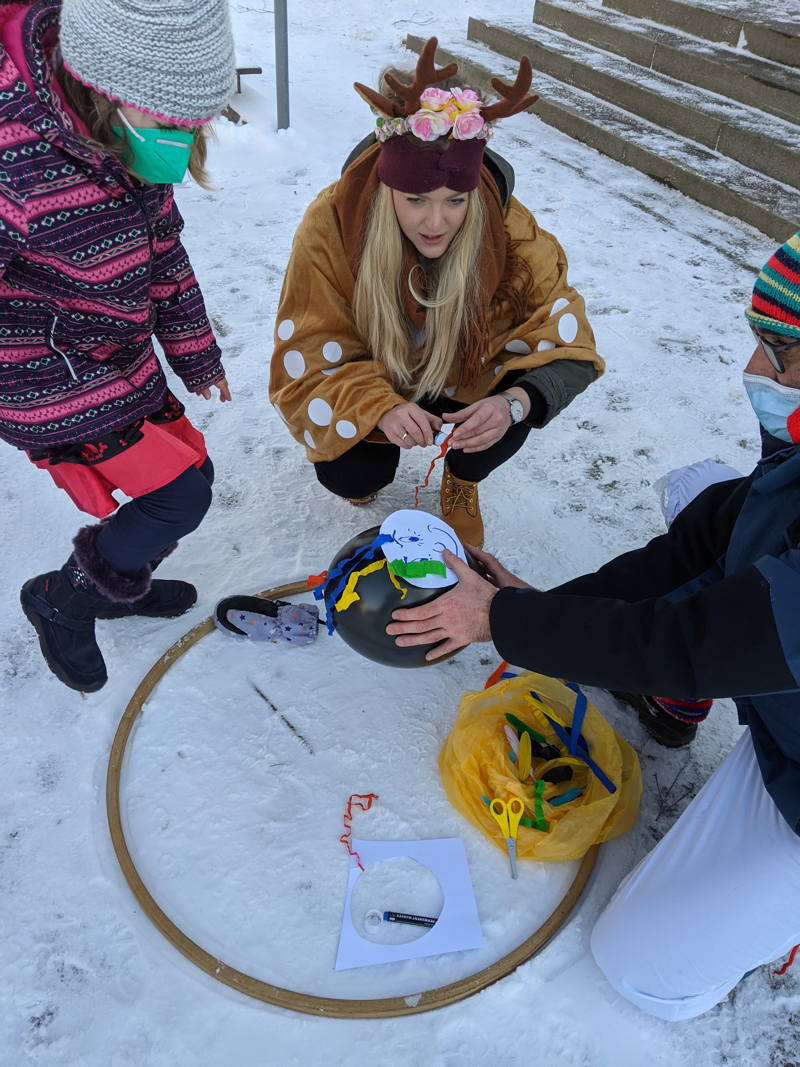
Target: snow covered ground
232, 820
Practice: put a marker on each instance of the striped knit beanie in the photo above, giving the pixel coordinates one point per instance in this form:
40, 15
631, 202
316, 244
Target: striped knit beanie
173, 59
776, 296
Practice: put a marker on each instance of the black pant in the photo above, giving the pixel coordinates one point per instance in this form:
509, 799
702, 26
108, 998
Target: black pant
141, 529
368, 466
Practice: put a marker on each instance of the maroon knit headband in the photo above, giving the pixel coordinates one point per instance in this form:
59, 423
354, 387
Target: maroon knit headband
453, 160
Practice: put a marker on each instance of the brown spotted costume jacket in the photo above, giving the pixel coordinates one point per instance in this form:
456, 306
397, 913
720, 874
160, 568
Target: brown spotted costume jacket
324, 382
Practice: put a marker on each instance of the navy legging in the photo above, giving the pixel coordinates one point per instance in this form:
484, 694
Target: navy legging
140, 530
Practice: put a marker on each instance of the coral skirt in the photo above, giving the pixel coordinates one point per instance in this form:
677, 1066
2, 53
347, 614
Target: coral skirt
165, 450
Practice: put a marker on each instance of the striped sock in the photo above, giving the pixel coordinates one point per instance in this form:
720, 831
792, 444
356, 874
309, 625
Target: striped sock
691, 711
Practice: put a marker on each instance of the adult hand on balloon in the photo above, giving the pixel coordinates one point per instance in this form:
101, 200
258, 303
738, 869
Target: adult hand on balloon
495, 572
408, 425
456, 618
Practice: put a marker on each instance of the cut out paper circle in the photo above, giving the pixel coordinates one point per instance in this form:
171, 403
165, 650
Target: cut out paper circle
417, 536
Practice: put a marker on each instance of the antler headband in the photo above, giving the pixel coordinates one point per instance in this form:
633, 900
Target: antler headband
430, 113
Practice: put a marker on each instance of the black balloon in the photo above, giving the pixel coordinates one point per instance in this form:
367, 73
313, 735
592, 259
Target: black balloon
363, 625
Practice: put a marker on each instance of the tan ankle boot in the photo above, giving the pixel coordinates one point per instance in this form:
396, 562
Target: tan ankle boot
361, 501
460, 507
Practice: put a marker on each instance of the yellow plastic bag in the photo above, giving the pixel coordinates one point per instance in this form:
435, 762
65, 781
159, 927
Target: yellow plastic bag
475, 766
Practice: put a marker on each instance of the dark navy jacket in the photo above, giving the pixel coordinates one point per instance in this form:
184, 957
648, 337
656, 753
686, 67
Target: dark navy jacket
709, 609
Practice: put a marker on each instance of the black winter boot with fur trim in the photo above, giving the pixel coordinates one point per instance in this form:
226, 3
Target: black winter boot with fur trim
165, 599
62, 607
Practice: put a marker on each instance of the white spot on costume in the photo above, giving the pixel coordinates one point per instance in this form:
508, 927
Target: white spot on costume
320, 412
285, 329
567, 328
294, 363
519, 346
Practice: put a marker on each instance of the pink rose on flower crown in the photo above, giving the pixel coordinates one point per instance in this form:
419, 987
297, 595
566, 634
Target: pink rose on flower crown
461, 100
465, 98
434, 99
428, 125
468, 124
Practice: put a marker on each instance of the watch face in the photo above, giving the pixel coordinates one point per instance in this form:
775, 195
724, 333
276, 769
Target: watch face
517, 411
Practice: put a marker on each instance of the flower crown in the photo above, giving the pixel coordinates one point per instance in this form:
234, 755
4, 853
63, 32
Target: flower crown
429, 113
456, 112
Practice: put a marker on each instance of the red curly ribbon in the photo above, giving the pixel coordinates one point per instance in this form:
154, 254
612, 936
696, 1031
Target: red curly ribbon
363, 802
789, 962
424, 483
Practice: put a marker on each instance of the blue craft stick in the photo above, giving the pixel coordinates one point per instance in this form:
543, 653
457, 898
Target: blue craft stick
578, 715
583, 754
564, 798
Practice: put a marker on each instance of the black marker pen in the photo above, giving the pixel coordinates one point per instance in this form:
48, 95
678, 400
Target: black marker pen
410, 920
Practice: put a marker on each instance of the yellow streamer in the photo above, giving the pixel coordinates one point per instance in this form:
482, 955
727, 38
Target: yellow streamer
349, 595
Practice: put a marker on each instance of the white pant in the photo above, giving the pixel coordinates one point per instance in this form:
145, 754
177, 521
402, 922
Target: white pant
717, 896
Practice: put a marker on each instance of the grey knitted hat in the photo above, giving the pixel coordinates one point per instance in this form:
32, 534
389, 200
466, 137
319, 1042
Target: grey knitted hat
171, 58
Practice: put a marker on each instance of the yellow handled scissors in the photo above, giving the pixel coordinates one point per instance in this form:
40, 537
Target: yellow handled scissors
507, 817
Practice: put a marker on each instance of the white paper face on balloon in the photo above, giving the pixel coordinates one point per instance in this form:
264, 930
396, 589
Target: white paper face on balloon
417, 535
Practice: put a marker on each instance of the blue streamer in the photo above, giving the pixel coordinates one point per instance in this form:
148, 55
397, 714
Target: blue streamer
334, 585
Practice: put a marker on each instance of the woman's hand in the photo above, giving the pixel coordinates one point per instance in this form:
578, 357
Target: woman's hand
221, 386
483, 423
408, 425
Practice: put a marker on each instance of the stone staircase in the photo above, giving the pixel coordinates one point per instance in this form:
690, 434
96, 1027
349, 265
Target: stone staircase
705, 99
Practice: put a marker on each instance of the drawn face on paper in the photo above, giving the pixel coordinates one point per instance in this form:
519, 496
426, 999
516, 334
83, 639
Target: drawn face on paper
423, 544
417, 535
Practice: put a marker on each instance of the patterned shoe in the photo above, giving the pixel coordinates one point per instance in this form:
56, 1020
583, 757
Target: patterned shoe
665, 728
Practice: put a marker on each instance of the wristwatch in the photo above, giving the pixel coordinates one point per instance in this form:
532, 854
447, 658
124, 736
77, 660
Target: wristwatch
515, 408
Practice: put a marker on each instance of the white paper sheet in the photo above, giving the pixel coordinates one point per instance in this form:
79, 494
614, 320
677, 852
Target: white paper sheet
418, 535
458, 926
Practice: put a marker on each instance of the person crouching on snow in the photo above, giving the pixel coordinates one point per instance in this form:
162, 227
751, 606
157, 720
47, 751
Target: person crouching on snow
103, 107
419, 290
711, 608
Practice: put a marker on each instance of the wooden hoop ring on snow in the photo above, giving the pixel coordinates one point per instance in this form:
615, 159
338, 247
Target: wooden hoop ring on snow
245, 983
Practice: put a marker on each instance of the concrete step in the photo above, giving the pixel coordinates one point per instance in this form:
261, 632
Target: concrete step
736, 75
699, 172
770, 30
758, 140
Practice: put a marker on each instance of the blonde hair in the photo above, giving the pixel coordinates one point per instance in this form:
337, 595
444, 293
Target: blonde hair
100, 114
452, 303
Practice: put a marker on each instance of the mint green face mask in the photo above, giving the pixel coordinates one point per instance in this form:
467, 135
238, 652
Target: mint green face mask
157, 156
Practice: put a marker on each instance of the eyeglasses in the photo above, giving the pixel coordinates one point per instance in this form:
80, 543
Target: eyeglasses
773, 352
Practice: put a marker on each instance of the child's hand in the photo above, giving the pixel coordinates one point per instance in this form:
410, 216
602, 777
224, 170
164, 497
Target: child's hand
223, 388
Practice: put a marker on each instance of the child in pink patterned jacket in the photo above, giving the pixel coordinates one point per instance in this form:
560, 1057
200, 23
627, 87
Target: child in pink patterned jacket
103, 105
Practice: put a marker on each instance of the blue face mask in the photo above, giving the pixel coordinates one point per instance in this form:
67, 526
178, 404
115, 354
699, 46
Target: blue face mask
157, 156
773, 404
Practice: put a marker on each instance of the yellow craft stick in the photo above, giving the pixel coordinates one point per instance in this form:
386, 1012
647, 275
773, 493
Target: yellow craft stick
524, 757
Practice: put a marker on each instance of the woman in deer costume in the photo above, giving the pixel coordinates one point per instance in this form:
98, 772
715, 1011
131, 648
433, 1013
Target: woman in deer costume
419, 291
